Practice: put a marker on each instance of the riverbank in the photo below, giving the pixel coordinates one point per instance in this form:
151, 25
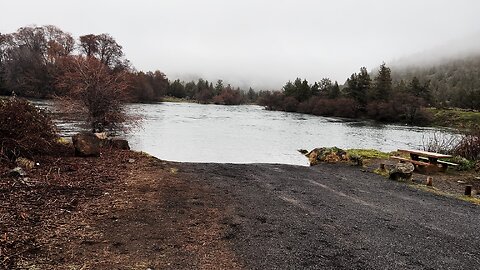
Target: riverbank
128, 210
454, 118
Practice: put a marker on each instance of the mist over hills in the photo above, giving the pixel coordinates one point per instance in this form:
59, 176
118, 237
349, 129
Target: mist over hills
464, 48
452, 71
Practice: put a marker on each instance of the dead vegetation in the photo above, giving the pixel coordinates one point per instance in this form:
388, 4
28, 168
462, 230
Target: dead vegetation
25, 130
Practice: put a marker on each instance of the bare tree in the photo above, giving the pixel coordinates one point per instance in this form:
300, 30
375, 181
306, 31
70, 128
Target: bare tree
94, 89
104, 48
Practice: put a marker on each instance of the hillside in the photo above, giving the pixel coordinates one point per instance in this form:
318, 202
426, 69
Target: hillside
453, 82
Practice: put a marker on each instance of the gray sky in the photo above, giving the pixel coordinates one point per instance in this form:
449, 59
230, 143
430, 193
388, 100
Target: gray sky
253, 42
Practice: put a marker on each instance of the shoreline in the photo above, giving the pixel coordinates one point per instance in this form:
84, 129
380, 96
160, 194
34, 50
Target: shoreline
450, 118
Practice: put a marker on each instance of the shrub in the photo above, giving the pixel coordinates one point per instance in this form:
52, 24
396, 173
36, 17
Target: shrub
90, 87
308, 105
228, 97
25, 130
440, 143
463, 163
290, 104
469, 145
345, 107
272, 101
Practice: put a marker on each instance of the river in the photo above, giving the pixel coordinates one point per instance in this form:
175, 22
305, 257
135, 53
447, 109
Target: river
249, 134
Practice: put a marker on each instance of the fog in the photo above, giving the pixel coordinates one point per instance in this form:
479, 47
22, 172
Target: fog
261, 43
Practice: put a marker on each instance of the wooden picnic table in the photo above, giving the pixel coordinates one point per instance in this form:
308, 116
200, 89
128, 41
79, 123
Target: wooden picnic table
426, 160
417, 155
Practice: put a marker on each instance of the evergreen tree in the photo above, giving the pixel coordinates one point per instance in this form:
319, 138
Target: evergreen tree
315, 89
252, 95
191, 89
334, 91
420, 90
299, 89
177, 89
218, 87
324, 85
289, 89
383, 84
358, 85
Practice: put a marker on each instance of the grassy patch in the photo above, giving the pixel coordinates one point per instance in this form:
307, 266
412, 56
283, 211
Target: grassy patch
178, 100
368, 153
454, 118
474, 200
438, 192
384, 173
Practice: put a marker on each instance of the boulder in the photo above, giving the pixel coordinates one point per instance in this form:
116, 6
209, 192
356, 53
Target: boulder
86, 145
402, 171
326, 154
119, 144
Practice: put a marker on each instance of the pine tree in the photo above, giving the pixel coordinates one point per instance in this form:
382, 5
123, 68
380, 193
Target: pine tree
334, 91
417, 89
383, 84
218, 87
358, 85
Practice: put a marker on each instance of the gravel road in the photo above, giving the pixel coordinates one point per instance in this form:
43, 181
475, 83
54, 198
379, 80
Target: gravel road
336, 217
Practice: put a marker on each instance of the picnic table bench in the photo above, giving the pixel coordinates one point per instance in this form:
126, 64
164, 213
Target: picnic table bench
424, 160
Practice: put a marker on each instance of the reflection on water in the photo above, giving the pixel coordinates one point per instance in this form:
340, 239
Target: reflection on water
249, 134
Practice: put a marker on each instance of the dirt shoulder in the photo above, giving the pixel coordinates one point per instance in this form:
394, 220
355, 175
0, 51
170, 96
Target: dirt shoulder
126, 210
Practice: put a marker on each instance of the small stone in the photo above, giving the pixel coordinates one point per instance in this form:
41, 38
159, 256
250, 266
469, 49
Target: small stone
101, 135
25, 163
17, 172
302, 151
131, 160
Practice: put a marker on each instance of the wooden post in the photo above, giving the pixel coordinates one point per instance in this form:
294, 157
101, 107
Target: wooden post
429, 181
468, 190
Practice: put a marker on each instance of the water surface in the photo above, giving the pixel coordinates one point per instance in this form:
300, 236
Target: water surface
249, 134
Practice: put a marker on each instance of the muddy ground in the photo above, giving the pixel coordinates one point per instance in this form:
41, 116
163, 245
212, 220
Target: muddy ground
126, 210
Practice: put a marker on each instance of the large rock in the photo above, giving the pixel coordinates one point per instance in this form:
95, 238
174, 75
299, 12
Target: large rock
326, 154
402, 171
86, 145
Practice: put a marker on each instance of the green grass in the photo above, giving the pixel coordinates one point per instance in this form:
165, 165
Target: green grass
175, 99
438, 192
368, 153
454, 118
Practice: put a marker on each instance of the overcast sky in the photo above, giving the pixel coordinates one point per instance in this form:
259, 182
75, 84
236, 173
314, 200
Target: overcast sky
255, 42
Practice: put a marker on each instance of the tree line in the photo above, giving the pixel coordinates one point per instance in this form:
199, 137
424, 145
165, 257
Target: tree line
46, 62
377, 98
35, 59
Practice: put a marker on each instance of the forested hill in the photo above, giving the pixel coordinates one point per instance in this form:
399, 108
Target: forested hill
452, 83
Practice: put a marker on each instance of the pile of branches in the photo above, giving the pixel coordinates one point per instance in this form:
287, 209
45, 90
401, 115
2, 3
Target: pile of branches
25, 130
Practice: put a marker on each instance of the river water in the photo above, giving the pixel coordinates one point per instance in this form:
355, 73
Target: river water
249, 134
